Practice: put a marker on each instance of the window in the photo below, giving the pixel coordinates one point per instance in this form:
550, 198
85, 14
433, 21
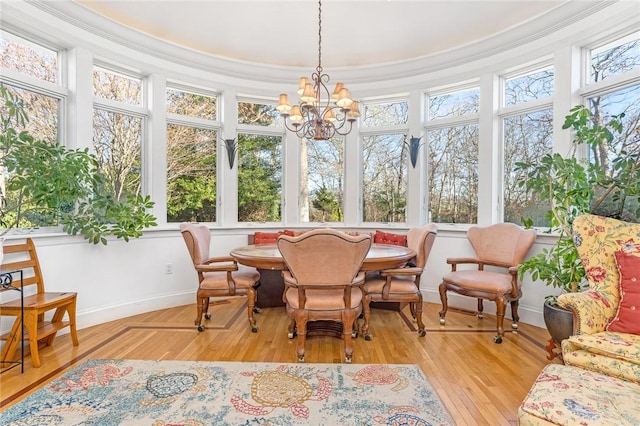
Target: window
452, 135
322, 180
615, 58
20, 61
384, 161
118, 124
260, 136
192, 130
614, 98
258, 114
259, 178
28, 58
527, 135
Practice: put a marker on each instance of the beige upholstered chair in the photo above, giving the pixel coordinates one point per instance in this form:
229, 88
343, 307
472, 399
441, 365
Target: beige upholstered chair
323, 281
402, 284
502, 247
218, 276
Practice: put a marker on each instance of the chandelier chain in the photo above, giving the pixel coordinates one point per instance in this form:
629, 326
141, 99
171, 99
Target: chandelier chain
319, 36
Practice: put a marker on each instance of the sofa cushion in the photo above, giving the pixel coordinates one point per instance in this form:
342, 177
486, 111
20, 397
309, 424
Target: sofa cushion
627, 319
566, 395
615, 354
389, 238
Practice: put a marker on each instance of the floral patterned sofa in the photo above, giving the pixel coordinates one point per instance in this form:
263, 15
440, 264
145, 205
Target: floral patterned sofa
606, 323
600, 381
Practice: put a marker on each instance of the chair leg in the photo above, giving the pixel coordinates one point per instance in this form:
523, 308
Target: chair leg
366, 307
443, 298
201, 303
514, 314
500, 307
11, 345
292, 328
417, 307
207, 315
31, 324
251, 303
301, 330
480, 309
71, 312
347, 323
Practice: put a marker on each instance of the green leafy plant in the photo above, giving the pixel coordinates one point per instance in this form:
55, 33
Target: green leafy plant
573, 186
50, 183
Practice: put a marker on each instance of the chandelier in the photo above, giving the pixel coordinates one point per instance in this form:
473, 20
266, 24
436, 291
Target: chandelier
320, 114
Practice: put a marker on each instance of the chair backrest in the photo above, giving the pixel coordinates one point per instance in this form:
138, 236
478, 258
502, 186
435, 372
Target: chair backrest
23, 256
421, 241
597, 239
503, 243
197, 238
324, 256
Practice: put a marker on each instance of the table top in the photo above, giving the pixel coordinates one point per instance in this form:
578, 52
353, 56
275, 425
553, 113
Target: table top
267, 256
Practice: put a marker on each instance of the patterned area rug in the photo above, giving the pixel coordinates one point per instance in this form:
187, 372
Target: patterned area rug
163, 393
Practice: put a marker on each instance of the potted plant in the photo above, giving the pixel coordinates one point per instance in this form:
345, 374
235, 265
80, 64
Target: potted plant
51, 184
572, 186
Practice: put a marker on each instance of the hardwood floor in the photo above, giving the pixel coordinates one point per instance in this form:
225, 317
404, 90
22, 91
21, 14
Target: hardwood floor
480, 382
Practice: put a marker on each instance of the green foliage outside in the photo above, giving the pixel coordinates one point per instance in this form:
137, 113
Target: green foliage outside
259, 178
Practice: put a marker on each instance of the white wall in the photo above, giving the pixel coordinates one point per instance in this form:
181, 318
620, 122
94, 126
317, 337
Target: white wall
123, 279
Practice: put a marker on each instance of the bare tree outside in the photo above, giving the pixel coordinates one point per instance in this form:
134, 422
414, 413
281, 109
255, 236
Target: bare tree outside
384, 162
191, 156
452, 152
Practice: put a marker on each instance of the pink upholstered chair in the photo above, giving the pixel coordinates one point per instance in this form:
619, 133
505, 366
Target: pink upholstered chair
323, 281
402, 284
503, 247
218, 276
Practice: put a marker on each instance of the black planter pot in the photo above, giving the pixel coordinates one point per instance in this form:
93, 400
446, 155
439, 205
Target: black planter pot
559, 322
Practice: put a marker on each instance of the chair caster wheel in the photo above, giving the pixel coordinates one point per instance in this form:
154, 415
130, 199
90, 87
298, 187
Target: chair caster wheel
514, 325
442, 321
257, 310
201, 328
207, 316
291, 335
354, 334
347, 360
422, 333
480, 316
254, 329
497, 339
367, 337
301, 358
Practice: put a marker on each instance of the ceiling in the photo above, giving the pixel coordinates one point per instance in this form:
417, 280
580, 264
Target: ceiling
354, 33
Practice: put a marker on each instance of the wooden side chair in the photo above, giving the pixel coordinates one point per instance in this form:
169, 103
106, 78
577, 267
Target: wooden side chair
402, 284
323, 281
37, 302
500, 247
218, 276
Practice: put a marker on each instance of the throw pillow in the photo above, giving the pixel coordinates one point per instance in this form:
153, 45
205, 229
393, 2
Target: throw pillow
268, 237
388, 238
627, 319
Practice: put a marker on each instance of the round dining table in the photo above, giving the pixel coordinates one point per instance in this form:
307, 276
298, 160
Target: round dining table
268, 260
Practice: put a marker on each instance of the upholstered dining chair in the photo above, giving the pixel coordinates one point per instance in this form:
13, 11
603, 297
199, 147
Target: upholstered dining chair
500, 247
323, 281
218, 276
402, 284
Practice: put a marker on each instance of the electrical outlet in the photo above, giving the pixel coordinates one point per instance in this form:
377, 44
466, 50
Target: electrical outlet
168, 268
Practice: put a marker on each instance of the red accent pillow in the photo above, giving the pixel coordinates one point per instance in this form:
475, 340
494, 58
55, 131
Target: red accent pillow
269, 237
388, 238
627, 319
